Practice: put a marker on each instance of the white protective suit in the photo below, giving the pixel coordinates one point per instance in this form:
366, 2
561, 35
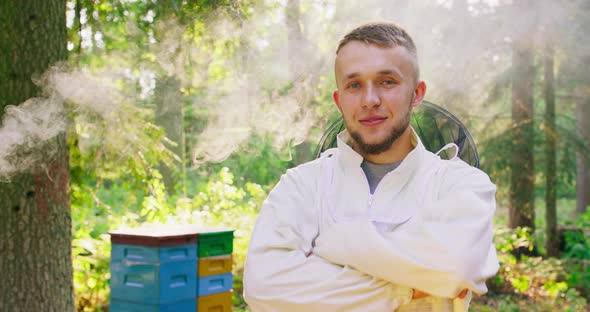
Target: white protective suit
322, 242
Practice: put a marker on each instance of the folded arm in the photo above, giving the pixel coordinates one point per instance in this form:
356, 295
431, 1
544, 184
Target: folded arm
443, 250
282, 273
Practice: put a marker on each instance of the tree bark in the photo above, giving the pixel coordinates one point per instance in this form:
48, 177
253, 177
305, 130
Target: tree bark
295, 42
552, 241
35, 226
522, 208
583, 160
169, 115
298, 48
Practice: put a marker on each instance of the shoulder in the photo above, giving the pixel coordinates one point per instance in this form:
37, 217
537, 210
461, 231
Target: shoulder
459, 189
303, 177
457, 174
306, 170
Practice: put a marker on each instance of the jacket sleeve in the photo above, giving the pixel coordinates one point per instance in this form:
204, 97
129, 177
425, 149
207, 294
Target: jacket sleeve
283, 274
442, 250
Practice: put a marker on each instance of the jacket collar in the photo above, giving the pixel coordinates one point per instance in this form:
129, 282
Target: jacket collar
396, 180
351, 158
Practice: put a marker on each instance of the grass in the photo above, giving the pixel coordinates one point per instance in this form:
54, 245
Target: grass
518, 303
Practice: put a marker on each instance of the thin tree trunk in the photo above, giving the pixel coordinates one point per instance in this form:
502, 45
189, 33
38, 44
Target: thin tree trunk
169, 115
78, 27
552, 242
522, 208
583, 160
297, 51
295, 41
35, 226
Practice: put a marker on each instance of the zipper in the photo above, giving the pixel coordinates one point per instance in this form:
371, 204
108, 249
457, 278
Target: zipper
370, 201
371, 196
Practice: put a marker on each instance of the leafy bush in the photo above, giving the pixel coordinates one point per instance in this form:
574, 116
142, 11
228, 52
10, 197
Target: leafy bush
218, 202
544, 282
576, 245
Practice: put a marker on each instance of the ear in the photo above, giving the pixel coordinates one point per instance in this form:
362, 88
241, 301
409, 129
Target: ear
336, 97
419, 94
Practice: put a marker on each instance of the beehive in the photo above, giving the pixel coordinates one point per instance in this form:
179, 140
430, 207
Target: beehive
153, 269
214, 284
177, 268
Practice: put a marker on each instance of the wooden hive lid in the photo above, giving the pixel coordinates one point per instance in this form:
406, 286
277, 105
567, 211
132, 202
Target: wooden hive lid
163, 235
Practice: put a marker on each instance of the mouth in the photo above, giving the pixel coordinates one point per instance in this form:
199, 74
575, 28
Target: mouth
372, 121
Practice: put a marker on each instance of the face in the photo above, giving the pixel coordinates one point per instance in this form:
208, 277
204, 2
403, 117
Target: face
377, 91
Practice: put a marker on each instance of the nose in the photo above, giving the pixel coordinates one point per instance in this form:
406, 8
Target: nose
371, 96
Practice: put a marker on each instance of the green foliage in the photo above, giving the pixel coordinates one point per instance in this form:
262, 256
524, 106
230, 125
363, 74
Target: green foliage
508, 240
218, 201
550, 281
114, 180
576, 245
495, 153
492, 303
578, 276
554, 288
584, 220
577, 255
123, 149
258, 162
113, 160
521, 283
91, 271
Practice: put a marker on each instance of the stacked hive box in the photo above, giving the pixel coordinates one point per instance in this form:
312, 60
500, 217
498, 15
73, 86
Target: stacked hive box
164, 268
152, 270
214, 284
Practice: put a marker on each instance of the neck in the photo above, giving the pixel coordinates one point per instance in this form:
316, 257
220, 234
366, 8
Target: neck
397, 152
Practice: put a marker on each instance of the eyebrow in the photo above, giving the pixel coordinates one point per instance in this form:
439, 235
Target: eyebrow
382, 72
351, 75
390, 72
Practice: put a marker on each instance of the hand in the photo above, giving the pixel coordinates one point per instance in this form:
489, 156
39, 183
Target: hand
462, 294
418, 294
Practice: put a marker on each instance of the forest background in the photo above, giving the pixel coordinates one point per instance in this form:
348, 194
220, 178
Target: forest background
117, 113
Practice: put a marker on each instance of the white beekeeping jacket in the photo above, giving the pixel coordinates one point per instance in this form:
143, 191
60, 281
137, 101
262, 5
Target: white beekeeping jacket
322, 242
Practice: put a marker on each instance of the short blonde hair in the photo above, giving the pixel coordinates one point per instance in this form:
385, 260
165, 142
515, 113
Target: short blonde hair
385, 35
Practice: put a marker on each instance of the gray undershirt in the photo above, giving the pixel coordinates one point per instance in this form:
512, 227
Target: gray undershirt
376, 172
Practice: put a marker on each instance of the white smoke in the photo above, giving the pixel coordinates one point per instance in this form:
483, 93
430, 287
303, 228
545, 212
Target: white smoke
463, 47
30, 125
25, 127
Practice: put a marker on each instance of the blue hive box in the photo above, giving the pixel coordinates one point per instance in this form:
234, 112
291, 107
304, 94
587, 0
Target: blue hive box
214, 284
153, 283
153, 267
134, 253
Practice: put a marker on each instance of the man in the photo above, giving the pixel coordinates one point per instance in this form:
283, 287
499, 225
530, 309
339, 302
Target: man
378, 223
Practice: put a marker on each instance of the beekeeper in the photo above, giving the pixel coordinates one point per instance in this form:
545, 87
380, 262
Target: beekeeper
378, 223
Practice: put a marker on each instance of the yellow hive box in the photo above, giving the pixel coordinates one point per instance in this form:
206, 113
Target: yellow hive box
214, 265
220, 302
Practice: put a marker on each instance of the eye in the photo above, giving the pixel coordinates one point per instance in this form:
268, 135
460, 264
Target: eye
353, 85
388, 82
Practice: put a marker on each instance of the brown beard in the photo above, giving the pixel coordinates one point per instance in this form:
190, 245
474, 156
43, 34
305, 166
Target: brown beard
383, 146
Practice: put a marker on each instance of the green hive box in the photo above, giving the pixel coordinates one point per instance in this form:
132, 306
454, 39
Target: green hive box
215, 242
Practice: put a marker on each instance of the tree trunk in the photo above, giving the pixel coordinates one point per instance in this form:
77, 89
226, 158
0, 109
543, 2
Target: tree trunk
169, 115
522, 208
297, 50
552, 242
35, 226
583, 161
295, 42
